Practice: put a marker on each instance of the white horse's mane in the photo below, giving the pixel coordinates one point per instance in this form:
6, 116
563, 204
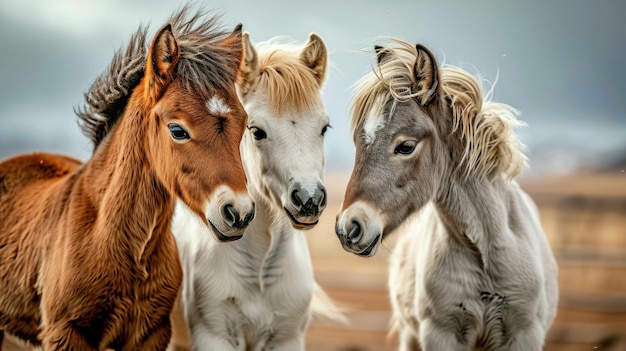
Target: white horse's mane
289, 83
491, 148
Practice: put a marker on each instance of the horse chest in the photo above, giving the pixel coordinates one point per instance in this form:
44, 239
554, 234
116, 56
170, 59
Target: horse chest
260, 268
473, 303
262, 292
260, 315
144, 300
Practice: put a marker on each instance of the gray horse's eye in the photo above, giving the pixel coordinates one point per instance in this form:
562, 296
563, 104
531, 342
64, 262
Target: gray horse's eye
405, 148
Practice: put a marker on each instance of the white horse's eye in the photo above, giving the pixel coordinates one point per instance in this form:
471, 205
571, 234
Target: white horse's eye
406, 147
258, 133
325, 129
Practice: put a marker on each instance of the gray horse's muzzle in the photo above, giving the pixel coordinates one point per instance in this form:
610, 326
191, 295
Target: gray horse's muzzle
359, 229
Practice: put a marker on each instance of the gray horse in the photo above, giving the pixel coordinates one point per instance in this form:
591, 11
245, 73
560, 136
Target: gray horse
435, 160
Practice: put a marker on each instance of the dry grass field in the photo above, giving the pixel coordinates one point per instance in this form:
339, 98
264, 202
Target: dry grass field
585, 219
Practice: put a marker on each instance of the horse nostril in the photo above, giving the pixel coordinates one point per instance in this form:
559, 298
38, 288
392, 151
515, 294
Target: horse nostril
295, 198
354, 231
230, 214
322, 198
248, 218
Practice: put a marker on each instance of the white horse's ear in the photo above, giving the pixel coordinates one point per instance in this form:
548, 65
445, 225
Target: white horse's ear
249, 68
425, 74
315, 56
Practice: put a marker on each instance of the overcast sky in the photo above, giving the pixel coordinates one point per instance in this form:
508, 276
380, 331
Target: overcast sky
560, 62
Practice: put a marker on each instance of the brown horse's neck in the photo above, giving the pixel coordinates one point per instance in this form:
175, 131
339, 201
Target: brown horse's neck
132, 206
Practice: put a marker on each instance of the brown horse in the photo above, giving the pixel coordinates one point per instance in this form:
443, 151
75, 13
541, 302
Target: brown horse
87, 260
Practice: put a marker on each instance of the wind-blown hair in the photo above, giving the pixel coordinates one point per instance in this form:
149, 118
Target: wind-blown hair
490, 146
204, 66
109, 93
486, 127
289, 83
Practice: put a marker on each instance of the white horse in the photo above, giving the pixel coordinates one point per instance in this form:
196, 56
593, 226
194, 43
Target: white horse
435, 159
256, 293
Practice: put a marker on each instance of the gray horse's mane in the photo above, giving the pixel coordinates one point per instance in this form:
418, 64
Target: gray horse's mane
491, 148
204, 66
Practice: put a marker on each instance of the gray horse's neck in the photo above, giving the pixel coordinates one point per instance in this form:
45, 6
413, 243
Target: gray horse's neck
475, 213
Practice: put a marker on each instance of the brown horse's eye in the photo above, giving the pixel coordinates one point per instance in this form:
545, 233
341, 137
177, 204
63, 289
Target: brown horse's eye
178, 133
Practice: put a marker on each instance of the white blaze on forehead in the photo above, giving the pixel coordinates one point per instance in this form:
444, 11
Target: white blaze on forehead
374, 120
217, 106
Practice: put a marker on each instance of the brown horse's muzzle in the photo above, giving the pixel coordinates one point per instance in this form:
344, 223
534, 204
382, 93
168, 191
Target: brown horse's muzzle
228, 214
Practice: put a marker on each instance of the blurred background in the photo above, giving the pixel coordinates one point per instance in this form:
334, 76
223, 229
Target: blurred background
559, 62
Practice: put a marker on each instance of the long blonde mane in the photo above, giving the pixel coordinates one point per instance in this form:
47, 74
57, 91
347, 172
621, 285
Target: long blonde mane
491, 147
289, 83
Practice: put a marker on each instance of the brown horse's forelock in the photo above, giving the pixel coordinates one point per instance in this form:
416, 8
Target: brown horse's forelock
204, 67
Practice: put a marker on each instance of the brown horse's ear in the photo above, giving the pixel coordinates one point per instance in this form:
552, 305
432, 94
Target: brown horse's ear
426, 75
233, 43
249, 68
162, 60
315, 56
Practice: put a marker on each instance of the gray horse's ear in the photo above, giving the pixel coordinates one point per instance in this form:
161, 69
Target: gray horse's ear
426, 75
381, 53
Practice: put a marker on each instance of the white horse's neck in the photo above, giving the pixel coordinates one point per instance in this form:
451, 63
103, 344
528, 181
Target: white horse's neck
266, 243
477, 214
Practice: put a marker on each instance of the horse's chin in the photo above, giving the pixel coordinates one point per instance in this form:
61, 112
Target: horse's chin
301, 225
219, 236
372, 248
367, 251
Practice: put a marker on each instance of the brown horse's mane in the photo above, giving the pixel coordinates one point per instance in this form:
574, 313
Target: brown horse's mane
205, 65
109, 93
